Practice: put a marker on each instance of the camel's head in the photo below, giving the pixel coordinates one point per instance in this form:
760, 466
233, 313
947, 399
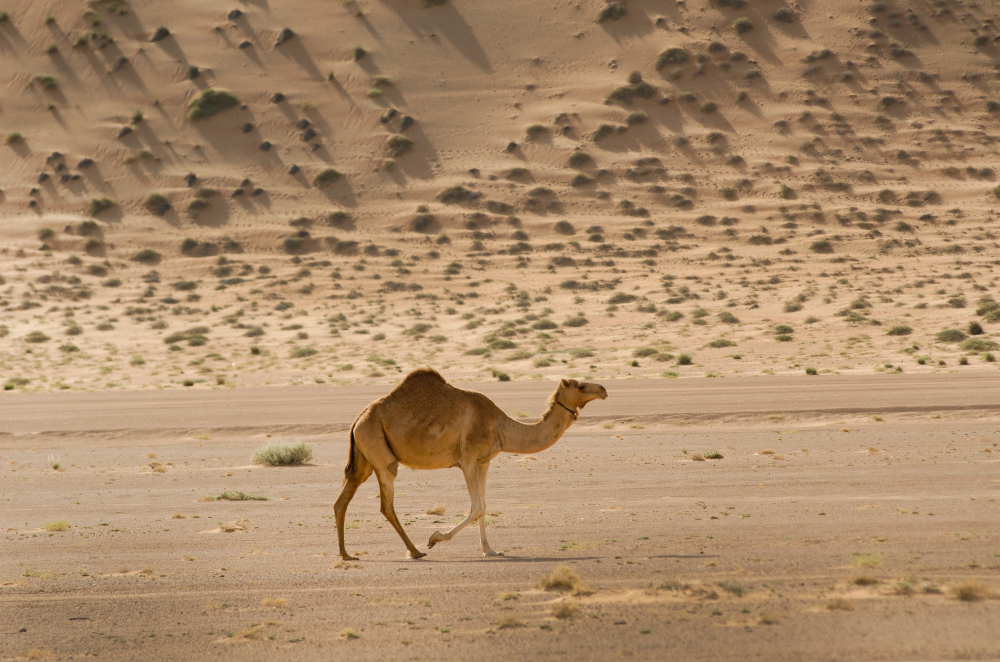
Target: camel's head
576, 394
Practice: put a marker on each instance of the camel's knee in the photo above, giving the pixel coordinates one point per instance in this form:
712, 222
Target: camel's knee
477, 514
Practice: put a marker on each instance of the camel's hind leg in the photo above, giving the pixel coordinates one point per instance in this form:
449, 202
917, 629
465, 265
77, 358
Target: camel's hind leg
362, 470
487, 550
476, 510
370, 440
386, 484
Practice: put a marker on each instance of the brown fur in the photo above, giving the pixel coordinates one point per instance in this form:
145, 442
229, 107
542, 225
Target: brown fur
426, 423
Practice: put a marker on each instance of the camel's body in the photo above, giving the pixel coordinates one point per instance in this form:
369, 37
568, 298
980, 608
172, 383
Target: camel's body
426, 423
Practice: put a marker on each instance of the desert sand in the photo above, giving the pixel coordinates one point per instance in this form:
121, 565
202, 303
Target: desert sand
768, 227
852, 517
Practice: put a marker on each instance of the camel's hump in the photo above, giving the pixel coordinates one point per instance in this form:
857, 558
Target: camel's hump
421, 374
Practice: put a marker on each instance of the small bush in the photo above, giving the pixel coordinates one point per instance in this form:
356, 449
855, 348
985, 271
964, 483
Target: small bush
672, 56
709, 107
611, 11
277, 454
721, 342
36, 337
147, 256
575, 321
727, 317
901, 330
15, 138
155, 201
98, 205
811, 371
398, 145
58, 525
951, 335
454, 195
563, 578
211, 102
979, 345
237, 496
784, 14
326, 177
48, 83
564, 227
742, 25
684, 359
821, 246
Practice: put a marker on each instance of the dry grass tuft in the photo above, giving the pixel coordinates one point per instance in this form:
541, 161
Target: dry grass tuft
840, 604
34, 654
58, 525
563, 578
277, 454
971, 591
864, 581
178, 516
349, 633
565, 609
241, 524
438, 509
508, 622
273, 602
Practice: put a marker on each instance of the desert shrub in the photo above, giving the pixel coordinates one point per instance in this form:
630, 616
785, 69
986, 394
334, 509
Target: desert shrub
15, 138
36, 337
536, 131
147, 256
760, 240
47, 82
422, 222
821, 246
742, 25
564, 227
621, 297
580, 159
672, 56
901, 330
278, 454
454, 195
721, 342
155, 201
398, 145
975, 328
727, 317
211, 102
575, 321
611, 11
563, 578
950, 335
98, 205
326, 177
358, 53
784, 14
811, 371
602, 132
236, 496
709, 107
979, 345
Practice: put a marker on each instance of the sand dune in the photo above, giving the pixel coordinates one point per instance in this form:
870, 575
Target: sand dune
754, 187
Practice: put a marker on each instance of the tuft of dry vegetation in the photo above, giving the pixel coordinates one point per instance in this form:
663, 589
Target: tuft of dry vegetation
278, 454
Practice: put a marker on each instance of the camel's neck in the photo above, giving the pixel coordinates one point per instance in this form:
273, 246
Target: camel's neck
521, 438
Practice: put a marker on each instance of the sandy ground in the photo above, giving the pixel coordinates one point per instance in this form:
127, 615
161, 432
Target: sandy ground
844, 520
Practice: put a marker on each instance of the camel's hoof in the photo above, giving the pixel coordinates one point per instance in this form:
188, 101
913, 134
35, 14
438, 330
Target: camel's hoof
417, 555
492, 553
348, 557
435, 538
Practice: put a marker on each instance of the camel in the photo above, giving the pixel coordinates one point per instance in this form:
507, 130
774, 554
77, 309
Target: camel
426, 423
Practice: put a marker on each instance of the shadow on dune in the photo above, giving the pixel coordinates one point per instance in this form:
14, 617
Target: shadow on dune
445, 20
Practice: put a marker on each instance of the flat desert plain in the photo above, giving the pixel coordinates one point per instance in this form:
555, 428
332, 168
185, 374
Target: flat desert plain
842, 518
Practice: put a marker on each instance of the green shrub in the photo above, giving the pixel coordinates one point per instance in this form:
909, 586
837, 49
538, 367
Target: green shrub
98, 205
821, 246
783, 337
48, 83
901, 330
36, 337
979, 345
155, 201
454, 195
575, 321
784, 14
721, 342
398, 145
611, 11
326, 177
278, 454
147, 256
15, 138
951, 335
709, 107
684, 359
810, 371
672, 56
742, 25
727, 317
237, 496
211, 102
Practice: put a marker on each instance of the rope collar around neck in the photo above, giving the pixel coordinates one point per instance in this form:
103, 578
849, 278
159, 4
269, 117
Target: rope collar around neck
576, 414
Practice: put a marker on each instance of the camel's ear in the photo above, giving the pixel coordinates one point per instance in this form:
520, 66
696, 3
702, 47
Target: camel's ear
572, 383
564, 383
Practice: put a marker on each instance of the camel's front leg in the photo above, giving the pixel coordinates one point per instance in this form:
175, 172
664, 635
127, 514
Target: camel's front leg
487, 550
475, 511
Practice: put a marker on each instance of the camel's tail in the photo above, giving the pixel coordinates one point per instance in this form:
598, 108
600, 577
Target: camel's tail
352, 464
